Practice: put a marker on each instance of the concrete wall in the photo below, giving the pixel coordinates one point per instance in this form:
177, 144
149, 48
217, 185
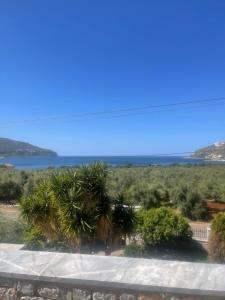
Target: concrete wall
27, 275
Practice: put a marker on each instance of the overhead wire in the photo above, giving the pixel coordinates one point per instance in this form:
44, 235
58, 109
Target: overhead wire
124, 112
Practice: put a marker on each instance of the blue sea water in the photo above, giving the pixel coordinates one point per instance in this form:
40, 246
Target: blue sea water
41, 162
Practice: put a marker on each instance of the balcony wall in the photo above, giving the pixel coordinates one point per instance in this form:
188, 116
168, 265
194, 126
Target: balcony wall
27, 275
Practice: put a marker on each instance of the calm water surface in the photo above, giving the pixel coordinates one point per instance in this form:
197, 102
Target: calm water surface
40, 162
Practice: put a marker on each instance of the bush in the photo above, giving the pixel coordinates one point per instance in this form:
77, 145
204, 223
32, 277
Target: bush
217, 239
34, 239
10, 190
162, 227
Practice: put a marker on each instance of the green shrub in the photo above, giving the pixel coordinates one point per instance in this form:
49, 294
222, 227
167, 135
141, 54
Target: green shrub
34, 239
217, 239
163, 226
10, 190
218, 225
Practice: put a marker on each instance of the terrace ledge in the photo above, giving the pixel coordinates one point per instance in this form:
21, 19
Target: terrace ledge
121, 273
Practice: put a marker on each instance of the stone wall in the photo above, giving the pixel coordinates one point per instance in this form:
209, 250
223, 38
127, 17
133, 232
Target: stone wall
29, 290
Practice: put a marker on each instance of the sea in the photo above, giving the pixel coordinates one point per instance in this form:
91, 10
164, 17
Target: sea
45, 162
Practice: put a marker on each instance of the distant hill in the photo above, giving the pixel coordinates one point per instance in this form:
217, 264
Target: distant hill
212, 152
10, 147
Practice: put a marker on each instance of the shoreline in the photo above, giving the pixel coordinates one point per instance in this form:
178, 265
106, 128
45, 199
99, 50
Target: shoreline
59, 162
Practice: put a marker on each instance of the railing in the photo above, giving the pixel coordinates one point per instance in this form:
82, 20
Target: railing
201, 233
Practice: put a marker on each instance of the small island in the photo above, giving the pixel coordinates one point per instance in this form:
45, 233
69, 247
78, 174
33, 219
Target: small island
9, 147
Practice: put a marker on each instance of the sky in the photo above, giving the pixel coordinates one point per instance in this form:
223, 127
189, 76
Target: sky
62, 59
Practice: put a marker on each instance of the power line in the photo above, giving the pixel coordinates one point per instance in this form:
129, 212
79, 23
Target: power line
144, 113
123, 112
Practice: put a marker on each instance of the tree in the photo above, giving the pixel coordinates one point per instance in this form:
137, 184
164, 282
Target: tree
190, 202
10, 190
217, 239
149, 196
39, 209
74, 205
123, 218
162, 227
83, 203
70, 204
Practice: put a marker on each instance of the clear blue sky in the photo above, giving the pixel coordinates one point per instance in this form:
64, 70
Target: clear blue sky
71, 57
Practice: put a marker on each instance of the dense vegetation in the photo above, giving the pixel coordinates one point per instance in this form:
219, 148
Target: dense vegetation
96, 206
207, 180
184, 187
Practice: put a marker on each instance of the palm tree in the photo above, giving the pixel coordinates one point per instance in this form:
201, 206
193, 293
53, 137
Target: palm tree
74, 205
75, 221
93, 183
39, 209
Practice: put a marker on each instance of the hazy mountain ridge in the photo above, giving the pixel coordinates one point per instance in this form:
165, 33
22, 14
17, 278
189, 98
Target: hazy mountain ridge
10, 147
212, 152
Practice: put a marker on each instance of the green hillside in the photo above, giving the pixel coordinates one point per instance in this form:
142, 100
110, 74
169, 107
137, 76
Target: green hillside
10, 147
212, 152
